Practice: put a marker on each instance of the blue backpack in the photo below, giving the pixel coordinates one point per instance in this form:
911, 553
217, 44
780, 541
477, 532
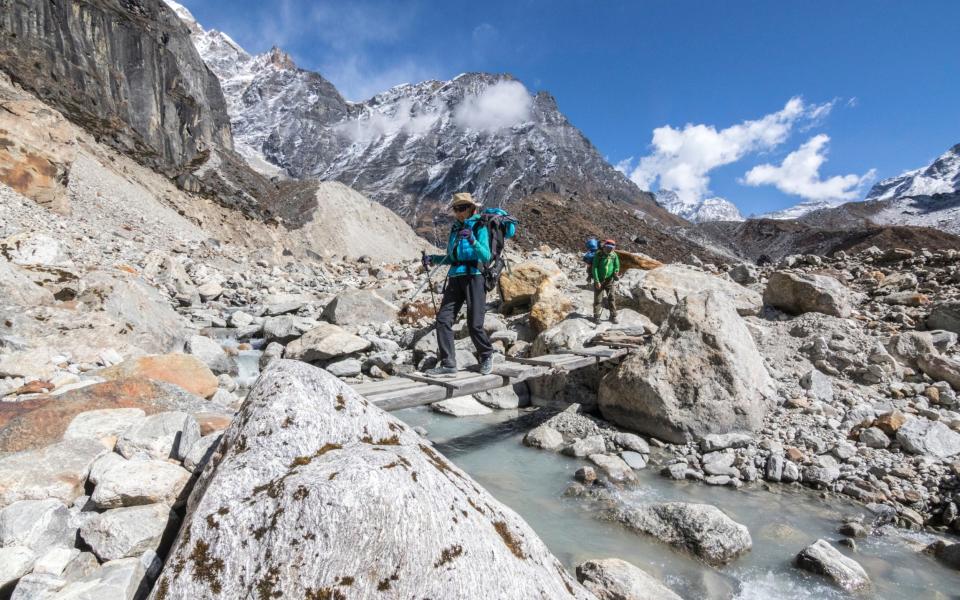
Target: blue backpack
501, 227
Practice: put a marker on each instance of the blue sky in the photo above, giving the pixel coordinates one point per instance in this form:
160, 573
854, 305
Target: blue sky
878, 82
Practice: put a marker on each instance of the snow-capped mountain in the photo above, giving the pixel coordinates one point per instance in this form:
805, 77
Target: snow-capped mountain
798, 210
942, 176
414, 145
702, 211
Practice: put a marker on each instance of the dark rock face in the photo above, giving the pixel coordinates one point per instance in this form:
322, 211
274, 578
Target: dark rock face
124, 69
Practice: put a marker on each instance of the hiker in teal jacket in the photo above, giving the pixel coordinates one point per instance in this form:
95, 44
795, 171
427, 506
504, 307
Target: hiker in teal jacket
468, 248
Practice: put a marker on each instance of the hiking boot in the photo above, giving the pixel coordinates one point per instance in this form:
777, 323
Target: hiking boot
614, 319
440, 371
486, 366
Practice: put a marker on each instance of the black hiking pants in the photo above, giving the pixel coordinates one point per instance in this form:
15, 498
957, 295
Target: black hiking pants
469, 289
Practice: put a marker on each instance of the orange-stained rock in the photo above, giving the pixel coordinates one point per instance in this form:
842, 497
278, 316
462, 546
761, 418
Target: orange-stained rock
890, 422
179, 369
31, 387
629, 260
41, 421
211, 422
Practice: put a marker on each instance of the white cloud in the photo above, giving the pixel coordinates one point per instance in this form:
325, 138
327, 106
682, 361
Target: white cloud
683, 158
501, 105
403, 119
799, 174
624, 165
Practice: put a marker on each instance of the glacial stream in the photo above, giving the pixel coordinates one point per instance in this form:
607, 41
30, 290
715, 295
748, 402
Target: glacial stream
782, 522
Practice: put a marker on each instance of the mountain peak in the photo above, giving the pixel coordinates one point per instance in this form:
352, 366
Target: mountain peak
280, 59
942, 176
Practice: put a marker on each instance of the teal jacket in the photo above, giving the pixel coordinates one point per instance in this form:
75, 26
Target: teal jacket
460, 251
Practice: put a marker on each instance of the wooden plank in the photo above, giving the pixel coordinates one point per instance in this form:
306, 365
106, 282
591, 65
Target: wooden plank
460, 375
577, 362
481, 383
393, 383
601, 352
518, 372
547, 360
407, 398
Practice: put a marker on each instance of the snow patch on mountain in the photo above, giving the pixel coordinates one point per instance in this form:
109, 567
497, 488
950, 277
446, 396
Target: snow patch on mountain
698, 211
798, 210
942, 176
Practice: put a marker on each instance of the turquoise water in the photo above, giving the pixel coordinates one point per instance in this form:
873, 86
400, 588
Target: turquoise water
782, 522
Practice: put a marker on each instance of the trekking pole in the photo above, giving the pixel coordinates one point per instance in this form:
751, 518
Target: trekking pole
422, 285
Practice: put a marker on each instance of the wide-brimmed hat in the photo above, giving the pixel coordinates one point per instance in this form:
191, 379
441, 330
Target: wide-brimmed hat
462, 198
610, 243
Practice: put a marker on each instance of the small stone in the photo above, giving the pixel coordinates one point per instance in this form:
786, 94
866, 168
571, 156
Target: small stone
874, 437
15, 562
126, 532
580, 448
544, 437
636, 460
585, 475
722, 441
823, 559
890, 422
631, 441
104, 425
853, 529
463, 406
132, 483
613, 467
162, 435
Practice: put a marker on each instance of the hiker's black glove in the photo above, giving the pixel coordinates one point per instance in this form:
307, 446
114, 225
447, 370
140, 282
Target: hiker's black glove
426, 261
467, 234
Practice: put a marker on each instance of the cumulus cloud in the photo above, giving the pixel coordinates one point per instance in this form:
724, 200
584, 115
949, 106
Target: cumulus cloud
501, 105
683, 158
799, 174
404, 119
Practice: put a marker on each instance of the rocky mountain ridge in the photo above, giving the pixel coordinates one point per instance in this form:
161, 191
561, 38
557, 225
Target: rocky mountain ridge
412, 146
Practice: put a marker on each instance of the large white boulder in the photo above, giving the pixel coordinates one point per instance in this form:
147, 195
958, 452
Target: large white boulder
798, 293
319, 492
655, 293
702, 374
324, 342
615, 579
823, 559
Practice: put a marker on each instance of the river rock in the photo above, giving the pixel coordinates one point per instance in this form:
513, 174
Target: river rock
631, 441
323, 482
37, 524
798, 293
324, 342
922, 436
634, 460
15, 562
582, 447
722, 441
210, 353
823, 559
615, 468
126, 532
163, 435
505, 398
519, 283
360, 307
57, 471
347, 367
660, 290
615, 579
702, 529
104, 425
137, 482
462, 406
543, 437
702, 375
286, 328
37, 586
181, 370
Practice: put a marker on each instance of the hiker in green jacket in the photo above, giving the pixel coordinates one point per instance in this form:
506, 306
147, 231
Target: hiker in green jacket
468, 249
606, 274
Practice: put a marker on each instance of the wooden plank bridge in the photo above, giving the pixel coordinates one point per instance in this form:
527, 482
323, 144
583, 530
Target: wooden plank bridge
416, 389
